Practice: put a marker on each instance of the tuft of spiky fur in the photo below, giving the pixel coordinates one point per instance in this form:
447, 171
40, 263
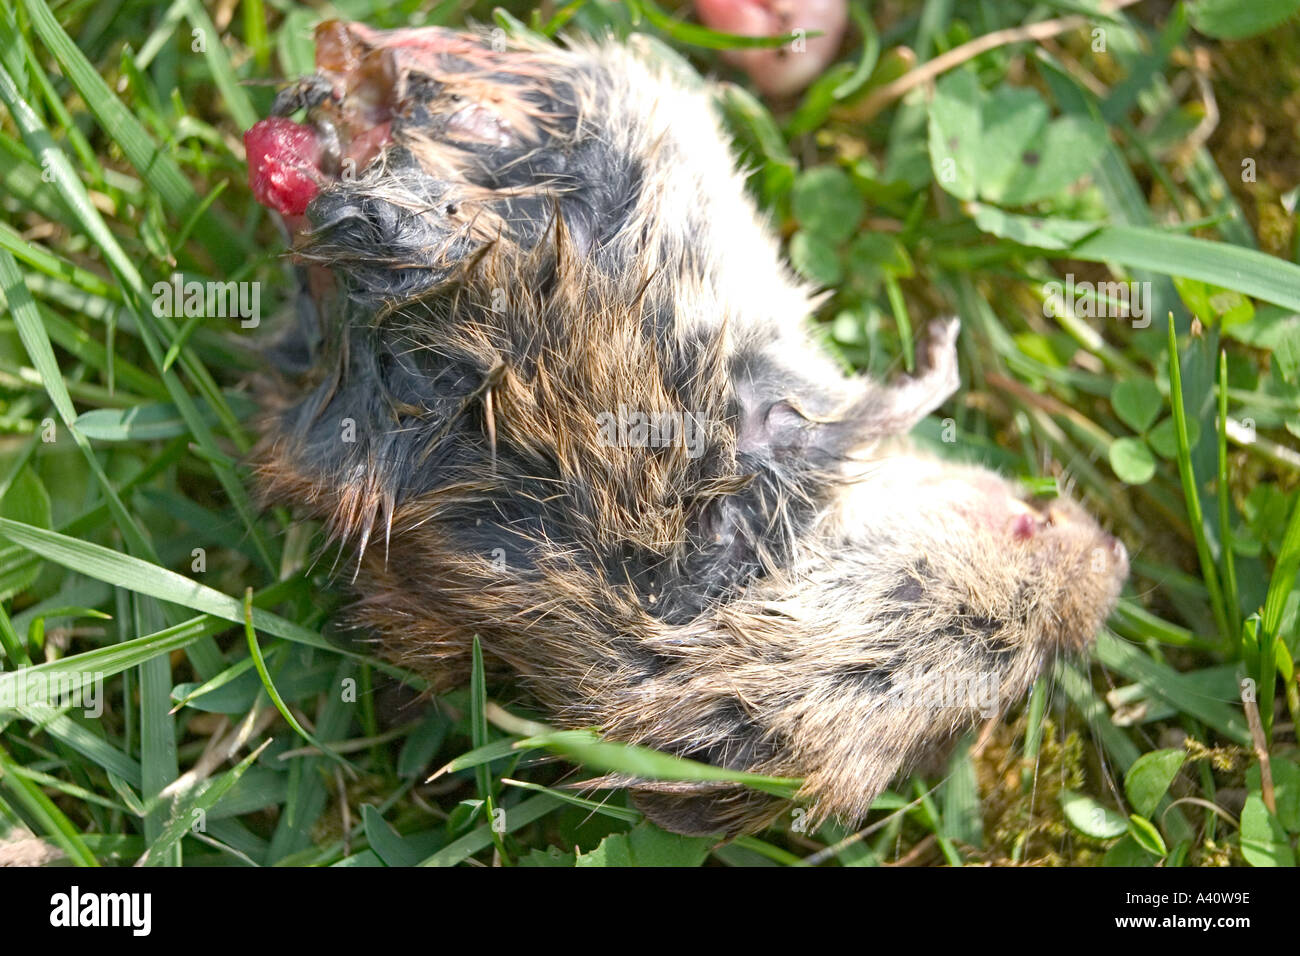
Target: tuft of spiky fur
541, 245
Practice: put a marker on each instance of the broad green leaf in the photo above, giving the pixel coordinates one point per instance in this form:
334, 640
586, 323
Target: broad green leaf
1149, 778
647, 845
1137, 402
552, 856
1286, 790
1002, 146
875, 255
387, 843
1238, 19
1263, 841
1131, 460
826, 203
1143, 831
1164, 437
815, 259
1091, 818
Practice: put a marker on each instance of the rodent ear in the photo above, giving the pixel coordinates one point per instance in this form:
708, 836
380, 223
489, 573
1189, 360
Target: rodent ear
772, 427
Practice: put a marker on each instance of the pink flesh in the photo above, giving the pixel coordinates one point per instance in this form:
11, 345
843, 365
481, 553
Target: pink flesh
283, 165
784, 71
287, 164
742, 17
1023, 527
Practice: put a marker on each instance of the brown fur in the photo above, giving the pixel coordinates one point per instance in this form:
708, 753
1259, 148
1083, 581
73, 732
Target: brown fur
780, 603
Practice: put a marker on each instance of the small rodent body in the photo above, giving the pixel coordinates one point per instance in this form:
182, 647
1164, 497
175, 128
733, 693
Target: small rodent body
551, 383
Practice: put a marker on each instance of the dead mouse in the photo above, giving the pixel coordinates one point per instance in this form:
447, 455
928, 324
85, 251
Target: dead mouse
551, 384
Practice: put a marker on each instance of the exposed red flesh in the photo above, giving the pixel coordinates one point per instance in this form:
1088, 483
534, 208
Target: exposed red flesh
290, 163
283, 165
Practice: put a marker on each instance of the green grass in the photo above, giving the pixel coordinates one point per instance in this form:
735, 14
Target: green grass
234, 730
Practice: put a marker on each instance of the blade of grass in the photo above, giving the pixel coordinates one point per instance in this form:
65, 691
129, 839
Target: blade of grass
69, 789
49, 818
167, 844
1280, 587
1247, 271
481, 837
255, 651
159, 763
1224, 494
1192, 495
159, 170
39, 142
233, 96
625, 814
590, 750
37, 343
41, 259
478, 737
307, 791
693, 34
870, 52
125, 571
1162, 681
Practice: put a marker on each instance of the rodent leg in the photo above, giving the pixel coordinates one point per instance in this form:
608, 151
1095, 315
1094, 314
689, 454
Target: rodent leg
894, 409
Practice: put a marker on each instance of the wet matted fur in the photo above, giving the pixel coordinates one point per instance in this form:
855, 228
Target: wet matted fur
551, 383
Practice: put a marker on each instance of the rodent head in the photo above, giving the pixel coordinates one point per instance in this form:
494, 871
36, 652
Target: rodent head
935, 595
1042, 570
1064, 569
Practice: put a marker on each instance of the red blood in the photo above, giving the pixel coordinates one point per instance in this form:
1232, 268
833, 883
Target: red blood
283, 164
